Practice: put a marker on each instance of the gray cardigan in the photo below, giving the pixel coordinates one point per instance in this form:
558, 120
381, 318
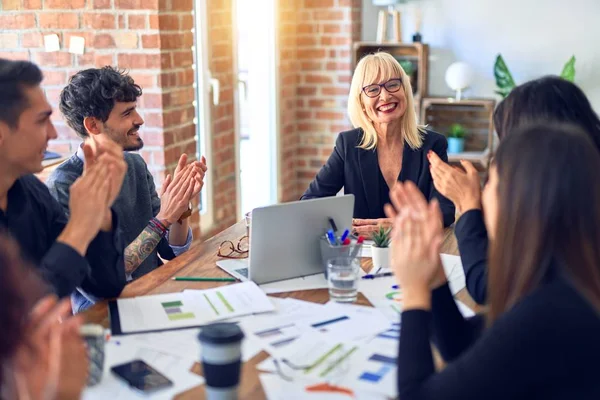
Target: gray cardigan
136, 204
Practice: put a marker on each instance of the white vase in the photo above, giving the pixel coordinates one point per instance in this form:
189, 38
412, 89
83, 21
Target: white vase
381, 258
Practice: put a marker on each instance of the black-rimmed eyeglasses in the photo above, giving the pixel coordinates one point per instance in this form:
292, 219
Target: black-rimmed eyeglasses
392, 86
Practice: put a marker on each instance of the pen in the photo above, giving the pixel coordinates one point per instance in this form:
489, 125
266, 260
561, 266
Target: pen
370, 276
333, 226
357, 247
202, 279
331, 238
344, 235
395, 287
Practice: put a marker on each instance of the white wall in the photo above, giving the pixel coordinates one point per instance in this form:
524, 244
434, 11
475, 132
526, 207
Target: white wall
535, 37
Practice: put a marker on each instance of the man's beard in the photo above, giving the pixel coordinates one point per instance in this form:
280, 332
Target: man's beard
124, 141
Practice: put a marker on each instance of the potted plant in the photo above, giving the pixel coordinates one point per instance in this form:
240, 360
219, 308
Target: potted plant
456, 138
380, 250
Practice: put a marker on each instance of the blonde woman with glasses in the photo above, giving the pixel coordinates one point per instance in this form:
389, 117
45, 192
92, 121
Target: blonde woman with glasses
386, 146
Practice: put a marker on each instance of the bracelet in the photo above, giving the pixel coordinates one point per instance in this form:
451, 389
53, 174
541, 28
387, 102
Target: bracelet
157, 227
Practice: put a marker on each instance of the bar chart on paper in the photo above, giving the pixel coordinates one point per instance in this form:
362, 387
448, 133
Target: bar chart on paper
191, 308
176, 311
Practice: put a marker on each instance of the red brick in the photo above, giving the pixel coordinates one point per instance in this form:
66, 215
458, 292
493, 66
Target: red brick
335, 41
19, 21
166, 60
32, 39
54, 59
59, 20
104, 41
86, 60
182, 5
99, 21
146, 81
319, 3
331, 28
102, 4
143, 61
137, 21
168, 22
136, 4
307, 91
318, 79
183, 59
55, 77
100, 60
153, 19
15, 55
64, 4
152, 138
330, 116
154, 120
151, 100
151, 41
187, 22
309, 54
32, 4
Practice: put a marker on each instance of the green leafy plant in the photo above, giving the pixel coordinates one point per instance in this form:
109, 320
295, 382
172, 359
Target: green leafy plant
457, 131
407, 66
506, 83
381, 238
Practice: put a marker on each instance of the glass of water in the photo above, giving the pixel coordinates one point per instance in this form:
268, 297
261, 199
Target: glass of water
342, 279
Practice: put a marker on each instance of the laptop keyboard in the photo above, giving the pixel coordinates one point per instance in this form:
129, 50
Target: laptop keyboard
242, 271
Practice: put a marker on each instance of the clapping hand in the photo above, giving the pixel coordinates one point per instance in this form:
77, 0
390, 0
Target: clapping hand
417, 236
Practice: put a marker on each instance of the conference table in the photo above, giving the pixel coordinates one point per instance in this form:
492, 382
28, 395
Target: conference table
200, 260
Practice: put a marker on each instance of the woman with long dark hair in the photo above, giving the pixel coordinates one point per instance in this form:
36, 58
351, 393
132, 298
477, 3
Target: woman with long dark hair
42, 355
540, 337
548, 99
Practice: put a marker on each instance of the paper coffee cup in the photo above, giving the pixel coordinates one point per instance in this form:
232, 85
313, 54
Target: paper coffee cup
221, 347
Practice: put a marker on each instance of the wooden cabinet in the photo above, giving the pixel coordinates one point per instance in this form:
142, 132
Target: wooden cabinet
473, 114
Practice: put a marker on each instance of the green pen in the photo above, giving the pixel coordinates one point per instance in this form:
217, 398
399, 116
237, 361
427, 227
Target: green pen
202, 279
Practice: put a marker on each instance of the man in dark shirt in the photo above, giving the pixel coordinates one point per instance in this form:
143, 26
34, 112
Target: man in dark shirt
85, 251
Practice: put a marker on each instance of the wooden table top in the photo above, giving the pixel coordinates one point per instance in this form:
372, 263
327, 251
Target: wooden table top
200, 260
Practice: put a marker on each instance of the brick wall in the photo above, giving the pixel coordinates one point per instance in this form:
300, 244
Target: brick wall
324, 31
288, 80
153, 40
220, 41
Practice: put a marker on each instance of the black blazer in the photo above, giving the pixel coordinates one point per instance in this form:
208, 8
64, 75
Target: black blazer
357, 171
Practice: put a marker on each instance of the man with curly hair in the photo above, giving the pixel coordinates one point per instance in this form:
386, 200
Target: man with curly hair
101, 102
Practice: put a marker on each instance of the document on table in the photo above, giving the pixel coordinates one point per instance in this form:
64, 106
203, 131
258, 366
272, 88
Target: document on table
113, 388
361, 366
278, 389
190, 308
184, 343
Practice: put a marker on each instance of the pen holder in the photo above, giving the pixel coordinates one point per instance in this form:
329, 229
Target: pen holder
328, 252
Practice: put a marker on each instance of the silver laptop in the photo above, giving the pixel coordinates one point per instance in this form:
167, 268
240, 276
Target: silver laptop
284, 239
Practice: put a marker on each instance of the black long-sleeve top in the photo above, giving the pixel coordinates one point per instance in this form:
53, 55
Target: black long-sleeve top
357, 171
472, 239
35, 220
545, 347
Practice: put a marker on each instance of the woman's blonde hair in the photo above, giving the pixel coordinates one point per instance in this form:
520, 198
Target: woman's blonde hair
378, 68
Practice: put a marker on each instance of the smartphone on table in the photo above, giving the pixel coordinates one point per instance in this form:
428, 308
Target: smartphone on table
141, 376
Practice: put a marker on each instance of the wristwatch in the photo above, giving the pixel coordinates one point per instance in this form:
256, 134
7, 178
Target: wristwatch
186, 213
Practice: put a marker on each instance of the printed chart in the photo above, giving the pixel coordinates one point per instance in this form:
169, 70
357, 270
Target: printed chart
176, 312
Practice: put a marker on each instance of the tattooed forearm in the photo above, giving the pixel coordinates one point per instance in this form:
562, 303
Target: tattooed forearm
140, 248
